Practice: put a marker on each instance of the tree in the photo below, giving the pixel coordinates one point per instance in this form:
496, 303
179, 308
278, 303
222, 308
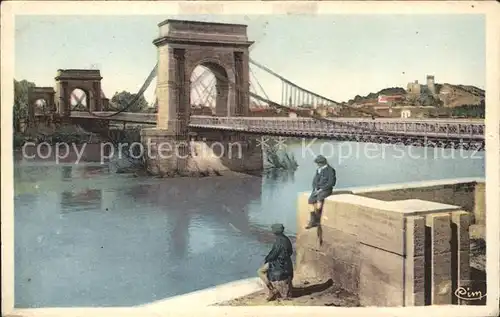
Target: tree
470, 111
20, 114
357, 98
126, 99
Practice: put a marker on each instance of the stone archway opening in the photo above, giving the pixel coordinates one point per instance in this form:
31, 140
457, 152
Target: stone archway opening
203, 91
41, 106
209, 90
40, 101
79, 100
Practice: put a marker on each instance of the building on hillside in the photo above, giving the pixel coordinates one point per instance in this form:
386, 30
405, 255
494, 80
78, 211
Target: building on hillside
416, 89
260, 111
405, 113
383, 99
332, 111
391, 111
366, 103
303, 112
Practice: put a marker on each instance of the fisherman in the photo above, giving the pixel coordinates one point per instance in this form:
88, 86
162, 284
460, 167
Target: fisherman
323, 182
277, 271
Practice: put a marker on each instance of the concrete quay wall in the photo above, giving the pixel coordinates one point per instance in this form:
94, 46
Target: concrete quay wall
469, 193
400, 251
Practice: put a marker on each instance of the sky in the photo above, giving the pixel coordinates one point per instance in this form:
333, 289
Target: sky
336, 56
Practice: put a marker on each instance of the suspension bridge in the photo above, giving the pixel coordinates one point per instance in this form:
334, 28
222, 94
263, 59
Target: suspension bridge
223, 49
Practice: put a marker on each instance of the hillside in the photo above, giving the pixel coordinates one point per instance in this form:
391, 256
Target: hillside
460, 95
373, 96
451, 96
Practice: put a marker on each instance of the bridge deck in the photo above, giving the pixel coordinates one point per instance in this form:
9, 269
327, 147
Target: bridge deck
470, 129
151, 118
335, 127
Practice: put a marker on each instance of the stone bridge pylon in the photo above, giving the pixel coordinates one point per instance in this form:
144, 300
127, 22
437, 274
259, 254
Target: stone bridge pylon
43, 94
87, 80
45, 101
184, 45
224, 50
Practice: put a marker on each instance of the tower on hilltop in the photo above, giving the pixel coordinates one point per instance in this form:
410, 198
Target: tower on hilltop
430, 84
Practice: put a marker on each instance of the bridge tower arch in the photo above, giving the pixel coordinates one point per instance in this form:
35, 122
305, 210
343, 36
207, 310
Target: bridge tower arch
67, 80
223, 49
184, 45
40, 93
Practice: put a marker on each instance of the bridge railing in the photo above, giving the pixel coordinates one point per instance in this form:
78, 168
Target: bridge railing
431, 128
442, 128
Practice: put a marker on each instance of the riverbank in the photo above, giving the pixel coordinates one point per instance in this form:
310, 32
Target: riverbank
68, 134
310, 292
325, 293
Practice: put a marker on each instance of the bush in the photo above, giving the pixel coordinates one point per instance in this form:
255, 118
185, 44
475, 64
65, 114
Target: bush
18, 140
470, 111
279, 160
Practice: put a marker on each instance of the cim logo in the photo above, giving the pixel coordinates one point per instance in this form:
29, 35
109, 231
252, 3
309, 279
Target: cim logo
465, 293
472, 291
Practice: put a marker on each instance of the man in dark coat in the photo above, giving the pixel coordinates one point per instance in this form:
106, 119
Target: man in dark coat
324, 180
277, 271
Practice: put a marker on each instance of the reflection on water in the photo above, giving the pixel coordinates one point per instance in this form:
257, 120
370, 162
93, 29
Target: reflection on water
85, 236
126, 241
67, 173
277, 176
86, 200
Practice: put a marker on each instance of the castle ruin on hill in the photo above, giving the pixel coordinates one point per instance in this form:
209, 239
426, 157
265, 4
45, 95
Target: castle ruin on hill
417, 89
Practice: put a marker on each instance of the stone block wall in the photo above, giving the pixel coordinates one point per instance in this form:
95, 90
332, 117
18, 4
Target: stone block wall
210, 151
467, 193
390, 253
480, 203
238, 152
165, 153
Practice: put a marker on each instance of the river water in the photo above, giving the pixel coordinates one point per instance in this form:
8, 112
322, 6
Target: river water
86, 236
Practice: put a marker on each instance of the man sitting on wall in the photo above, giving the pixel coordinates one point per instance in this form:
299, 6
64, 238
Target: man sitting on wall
277, 271
323, 182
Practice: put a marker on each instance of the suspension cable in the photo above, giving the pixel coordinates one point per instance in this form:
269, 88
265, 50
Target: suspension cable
290, 92
139, 94
266, 69
202, 96
78, 100
315, 116
296, 87
208, 96
295, 92
258, 83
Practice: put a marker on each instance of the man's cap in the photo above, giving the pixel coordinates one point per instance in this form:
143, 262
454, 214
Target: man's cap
277, 228
320, 159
